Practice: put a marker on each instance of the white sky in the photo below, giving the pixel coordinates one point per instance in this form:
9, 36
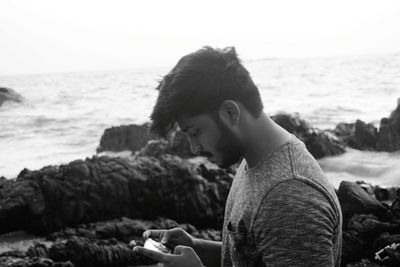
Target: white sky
44, 36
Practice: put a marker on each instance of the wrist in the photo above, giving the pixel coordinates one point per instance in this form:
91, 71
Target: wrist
195, 243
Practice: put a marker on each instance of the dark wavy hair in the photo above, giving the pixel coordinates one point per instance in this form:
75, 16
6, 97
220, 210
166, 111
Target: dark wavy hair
199, 83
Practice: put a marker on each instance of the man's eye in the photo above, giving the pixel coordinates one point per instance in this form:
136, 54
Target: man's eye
195, 133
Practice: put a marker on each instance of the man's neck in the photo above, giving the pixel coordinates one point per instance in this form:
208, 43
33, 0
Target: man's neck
264, 137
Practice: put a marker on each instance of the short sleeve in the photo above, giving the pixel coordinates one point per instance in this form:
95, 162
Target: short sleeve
295, 226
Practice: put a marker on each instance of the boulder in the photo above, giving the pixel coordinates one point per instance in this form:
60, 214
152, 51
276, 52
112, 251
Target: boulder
355, 200
319, 143
344, 130
12, 261
358, 135
126, 137
365, 136
137, 138
179, 146
106, 243
104, 188
358, 238
293, 124
87, 252
7, 94
125, 229
363, 263
395, 208
384, 240
389, 132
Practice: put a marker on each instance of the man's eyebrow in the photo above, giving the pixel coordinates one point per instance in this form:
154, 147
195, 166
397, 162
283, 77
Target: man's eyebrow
185, 130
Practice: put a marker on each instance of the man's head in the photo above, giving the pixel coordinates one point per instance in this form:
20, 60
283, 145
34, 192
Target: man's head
208, 93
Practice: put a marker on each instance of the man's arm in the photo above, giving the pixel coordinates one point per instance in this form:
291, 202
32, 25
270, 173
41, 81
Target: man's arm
208, 251
295, 226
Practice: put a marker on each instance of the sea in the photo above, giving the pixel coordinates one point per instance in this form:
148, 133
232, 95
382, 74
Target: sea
65, 114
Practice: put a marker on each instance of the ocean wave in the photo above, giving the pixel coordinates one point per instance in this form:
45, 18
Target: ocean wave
383, 167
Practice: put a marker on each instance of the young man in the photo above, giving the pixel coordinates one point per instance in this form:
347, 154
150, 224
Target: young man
281, 210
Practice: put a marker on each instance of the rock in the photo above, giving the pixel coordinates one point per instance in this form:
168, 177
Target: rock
319, 143
7, 94
12, 261
358, 135
104, 188
126, 229
353, 247
389, 132
293, 124
384, 240
370, 225
359, 236
137, 137
106, 243
395, 208
179, 146
127, 137
365, 136
322, 144
363, 263
87, 253
355, 200
344, 130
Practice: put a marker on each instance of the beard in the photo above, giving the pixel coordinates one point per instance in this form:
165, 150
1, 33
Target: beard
228, 146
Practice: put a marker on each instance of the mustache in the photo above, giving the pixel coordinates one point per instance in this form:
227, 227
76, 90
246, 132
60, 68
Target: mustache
205, 154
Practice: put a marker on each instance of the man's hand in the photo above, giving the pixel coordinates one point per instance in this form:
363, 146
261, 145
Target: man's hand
175, 236
205, 252
183, 257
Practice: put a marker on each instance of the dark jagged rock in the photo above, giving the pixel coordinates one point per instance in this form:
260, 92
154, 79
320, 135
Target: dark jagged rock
370, 225
319, 143
87, 253
395, 208
360, 234
365, 135
103, 243
363, 263
38, 250
137, 137
293, 124
387, 239
126, 229
104, 188
179, 146
322, 144
126, 137
389, 132
7, 94
11, 261
358, 135
355, 200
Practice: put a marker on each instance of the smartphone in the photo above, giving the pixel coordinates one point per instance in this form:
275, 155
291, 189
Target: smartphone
156, 246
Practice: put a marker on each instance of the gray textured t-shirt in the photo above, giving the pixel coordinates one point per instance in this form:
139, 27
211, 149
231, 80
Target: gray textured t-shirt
282, 212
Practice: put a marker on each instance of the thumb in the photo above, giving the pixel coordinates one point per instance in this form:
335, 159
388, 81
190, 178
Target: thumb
182, 250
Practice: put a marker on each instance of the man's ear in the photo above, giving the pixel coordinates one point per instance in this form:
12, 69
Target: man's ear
229, 112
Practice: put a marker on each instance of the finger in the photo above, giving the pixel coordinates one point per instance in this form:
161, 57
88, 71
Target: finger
154, 255
154, 234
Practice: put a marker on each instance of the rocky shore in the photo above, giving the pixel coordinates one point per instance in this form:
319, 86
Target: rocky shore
90, 212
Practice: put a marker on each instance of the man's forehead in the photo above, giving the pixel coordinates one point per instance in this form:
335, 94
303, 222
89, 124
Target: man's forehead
186, 122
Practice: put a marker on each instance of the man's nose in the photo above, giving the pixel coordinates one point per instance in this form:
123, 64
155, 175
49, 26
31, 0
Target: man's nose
194, 147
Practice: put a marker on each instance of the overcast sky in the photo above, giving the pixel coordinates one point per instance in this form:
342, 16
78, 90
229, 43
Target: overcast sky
45, 36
